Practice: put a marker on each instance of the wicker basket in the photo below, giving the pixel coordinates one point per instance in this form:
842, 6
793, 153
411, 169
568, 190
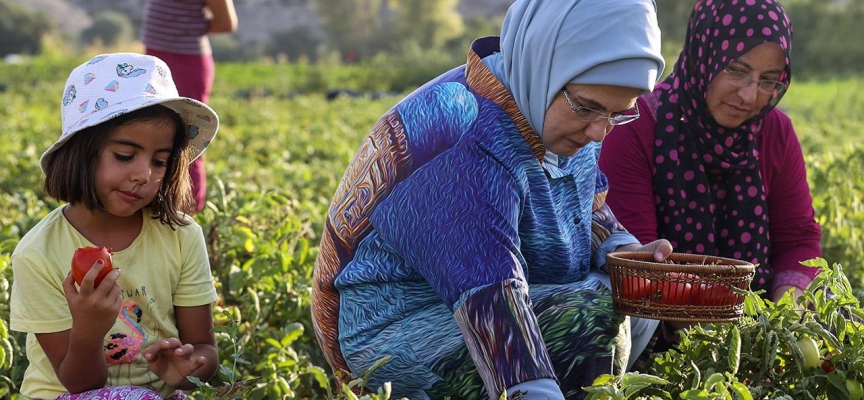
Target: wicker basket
686, 288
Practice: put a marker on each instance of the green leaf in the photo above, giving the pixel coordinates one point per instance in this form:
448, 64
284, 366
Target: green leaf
733, 343
346, 391
820, 330
840, 321
695, 394
769, 350
605, 379
602, 392
815, 263
273, 343
635, 378
9, 357
225, 329
630, 391
715, 379
294, 332
741, 391
228, 372
377, 364
319, 374
196, 381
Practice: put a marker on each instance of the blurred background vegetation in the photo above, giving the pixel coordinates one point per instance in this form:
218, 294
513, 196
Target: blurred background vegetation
412, 40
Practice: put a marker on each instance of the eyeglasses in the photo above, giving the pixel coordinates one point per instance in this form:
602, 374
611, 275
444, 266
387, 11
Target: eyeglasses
743, 79
586, 114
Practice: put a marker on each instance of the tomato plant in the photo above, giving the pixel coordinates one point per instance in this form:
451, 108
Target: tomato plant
772, 352
85, 257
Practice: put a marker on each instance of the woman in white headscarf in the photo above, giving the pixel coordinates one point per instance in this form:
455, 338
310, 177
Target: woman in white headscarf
467, 233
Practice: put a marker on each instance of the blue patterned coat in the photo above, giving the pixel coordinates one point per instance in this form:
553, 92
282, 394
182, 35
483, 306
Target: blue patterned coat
443, 220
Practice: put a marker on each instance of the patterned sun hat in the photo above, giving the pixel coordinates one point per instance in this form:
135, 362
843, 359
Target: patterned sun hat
113, 84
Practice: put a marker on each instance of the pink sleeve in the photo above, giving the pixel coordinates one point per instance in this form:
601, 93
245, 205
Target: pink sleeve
625, 158
795, 234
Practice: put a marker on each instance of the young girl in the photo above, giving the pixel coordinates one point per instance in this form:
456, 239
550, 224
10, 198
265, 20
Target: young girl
121, 164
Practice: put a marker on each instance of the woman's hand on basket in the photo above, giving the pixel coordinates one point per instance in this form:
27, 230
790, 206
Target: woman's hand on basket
661, 248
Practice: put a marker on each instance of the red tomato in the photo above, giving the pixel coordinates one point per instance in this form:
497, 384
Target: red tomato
827, 365
85, 257
635, 288
675, 293
715, 295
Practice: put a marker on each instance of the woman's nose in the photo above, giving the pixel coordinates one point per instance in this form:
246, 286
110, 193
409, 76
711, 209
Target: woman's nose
597, 130
749, 92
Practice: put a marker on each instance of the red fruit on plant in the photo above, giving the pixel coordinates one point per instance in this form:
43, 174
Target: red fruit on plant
85, 257
827, 366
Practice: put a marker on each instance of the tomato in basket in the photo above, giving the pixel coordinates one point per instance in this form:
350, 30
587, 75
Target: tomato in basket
635, 288
715, 295
674, 293
655, 292
676, 290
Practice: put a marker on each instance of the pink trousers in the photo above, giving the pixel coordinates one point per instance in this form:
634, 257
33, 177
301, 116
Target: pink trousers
193, 75
120, 393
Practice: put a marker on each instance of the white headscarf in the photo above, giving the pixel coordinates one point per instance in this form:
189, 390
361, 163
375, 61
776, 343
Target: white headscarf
546, 44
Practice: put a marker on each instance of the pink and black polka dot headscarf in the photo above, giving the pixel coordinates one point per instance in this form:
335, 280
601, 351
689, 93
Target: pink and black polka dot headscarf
707, 184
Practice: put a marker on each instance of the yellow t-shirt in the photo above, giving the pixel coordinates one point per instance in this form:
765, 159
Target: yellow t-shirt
162, 268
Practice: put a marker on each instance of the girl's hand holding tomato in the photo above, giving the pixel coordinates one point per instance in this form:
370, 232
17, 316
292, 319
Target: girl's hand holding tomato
94, 308
87, 258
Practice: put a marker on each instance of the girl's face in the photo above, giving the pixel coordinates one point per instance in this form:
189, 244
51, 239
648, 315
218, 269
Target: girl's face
132, 165
731, 105
564, 133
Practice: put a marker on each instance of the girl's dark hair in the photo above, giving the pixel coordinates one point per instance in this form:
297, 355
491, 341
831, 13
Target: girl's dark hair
70, 173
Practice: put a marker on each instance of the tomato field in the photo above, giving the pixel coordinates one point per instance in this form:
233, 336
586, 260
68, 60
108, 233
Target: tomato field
281, 150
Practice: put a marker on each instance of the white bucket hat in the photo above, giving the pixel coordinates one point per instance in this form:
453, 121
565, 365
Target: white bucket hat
113, 84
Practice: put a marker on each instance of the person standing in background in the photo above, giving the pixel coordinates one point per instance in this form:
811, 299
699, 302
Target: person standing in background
176, 31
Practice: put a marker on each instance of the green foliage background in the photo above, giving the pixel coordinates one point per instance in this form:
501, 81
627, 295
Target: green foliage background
357, 31
273, 168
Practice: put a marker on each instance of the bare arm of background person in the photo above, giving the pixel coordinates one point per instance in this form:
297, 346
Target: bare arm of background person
222, 16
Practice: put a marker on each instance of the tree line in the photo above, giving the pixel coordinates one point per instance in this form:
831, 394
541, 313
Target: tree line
356, 31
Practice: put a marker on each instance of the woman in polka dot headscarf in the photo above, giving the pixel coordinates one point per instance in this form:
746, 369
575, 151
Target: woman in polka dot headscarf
712, 165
